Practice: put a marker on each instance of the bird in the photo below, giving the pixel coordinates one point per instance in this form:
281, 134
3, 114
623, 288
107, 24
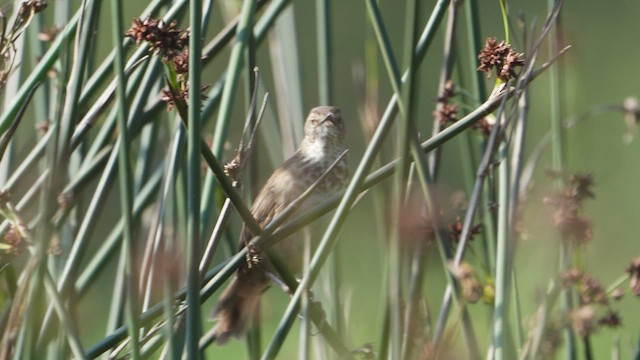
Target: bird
322, 144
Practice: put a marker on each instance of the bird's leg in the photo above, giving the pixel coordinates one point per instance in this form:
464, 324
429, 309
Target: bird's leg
253, 256
276, 279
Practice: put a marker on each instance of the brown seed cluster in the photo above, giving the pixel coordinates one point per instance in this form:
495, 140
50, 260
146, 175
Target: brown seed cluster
551, 339
14, 241
501, 57
455, 230
167, 40
610, 319
446, 113
180, 62
471, 289
483, 126
593, 296
583, 320
181, 96
567, 216
170, 43
589, 288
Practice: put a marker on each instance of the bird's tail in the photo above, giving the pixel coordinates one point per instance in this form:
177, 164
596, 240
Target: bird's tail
238, 305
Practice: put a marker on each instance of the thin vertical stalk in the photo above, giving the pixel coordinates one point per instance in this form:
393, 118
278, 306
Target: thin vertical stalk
558, 164
325, 97
166, 247
253, 340
305, 312
517, 162
12, 86
89, 10
284, 52
384, 43
148, 141
557, 129
117, 307
393, 341
474, 202
475, 43
502, 340
244, 32
37, 48
323, 34
153, 266
126, 181
520, 332
194, 139
467, 143
445, 75
505, 20
404, 134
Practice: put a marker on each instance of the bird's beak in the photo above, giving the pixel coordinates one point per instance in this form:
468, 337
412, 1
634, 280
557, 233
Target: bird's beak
328, 118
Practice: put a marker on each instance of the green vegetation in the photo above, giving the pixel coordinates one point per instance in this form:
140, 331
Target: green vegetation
132, 141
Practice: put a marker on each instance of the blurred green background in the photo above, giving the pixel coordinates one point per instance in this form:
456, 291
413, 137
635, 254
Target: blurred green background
600, 69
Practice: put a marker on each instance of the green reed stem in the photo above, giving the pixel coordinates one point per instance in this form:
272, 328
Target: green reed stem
194, 138
126, 182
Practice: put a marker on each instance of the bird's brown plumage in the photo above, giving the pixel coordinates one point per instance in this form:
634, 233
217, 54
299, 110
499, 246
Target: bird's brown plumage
323, 142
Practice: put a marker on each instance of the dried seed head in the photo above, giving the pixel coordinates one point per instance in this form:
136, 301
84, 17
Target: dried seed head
167, 40
472, 290
180, 62
611, 319
445, 114
583, 320
567, 217
448, 92
501, 57
589, 288
182, 95
455, 229
14, 239
484, 126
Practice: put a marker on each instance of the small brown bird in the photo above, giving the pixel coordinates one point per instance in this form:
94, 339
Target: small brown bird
323, 142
